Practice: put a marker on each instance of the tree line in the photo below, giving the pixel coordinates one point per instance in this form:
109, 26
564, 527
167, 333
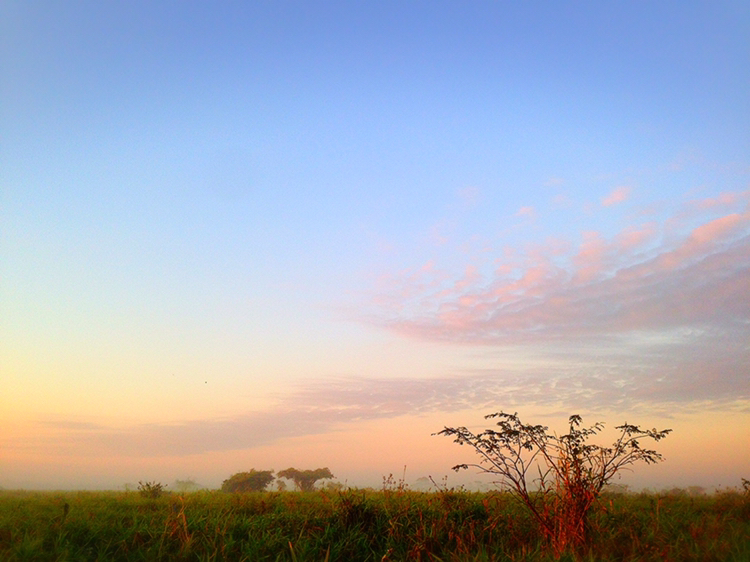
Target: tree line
258, 480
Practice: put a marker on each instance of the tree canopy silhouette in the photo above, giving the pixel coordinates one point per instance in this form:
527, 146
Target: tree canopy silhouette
305, 479
253, 481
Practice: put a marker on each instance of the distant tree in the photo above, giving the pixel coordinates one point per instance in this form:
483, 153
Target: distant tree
422, 483
616, 489
305, 479
184, 486
333, 486
253, 481
675, 492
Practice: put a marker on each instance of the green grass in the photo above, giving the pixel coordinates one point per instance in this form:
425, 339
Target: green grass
357, 525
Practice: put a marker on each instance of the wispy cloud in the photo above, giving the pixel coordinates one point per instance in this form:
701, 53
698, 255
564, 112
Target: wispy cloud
313, 408
618, 195
526, 212
583, 377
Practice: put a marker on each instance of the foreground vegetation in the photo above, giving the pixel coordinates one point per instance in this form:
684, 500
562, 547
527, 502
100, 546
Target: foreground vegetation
359, 525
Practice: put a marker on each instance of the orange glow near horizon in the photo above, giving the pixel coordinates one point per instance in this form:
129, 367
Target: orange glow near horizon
709, 453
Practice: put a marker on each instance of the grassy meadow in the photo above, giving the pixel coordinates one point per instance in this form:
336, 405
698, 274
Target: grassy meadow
358, 525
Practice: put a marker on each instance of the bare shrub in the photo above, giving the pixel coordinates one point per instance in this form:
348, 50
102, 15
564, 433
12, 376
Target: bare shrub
151, 489
558, 478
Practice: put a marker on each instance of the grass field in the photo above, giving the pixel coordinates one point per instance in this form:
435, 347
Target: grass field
358, 525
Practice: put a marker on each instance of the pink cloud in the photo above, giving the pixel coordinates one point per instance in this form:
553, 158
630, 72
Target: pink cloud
726, 202
635, 237
526, 212
703, 239
551, 247
718, 229
638, 279
592, 247
504, 269
590, 257
427, 267
471, 276
618, 195
723, 199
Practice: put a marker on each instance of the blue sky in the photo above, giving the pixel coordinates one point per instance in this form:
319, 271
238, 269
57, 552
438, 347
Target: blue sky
215, 216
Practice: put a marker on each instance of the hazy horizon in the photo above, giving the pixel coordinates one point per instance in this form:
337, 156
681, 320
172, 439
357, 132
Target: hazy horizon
270, 234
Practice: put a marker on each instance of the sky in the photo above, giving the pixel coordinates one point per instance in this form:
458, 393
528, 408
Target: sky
266, 234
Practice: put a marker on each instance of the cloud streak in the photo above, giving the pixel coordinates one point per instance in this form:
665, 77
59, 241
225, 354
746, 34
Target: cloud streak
316, 407
526, 212
618, 195
590, 376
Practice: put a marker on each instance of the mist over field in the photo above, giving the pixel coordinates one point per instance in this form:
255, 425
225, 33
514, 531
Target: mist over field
287, 234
